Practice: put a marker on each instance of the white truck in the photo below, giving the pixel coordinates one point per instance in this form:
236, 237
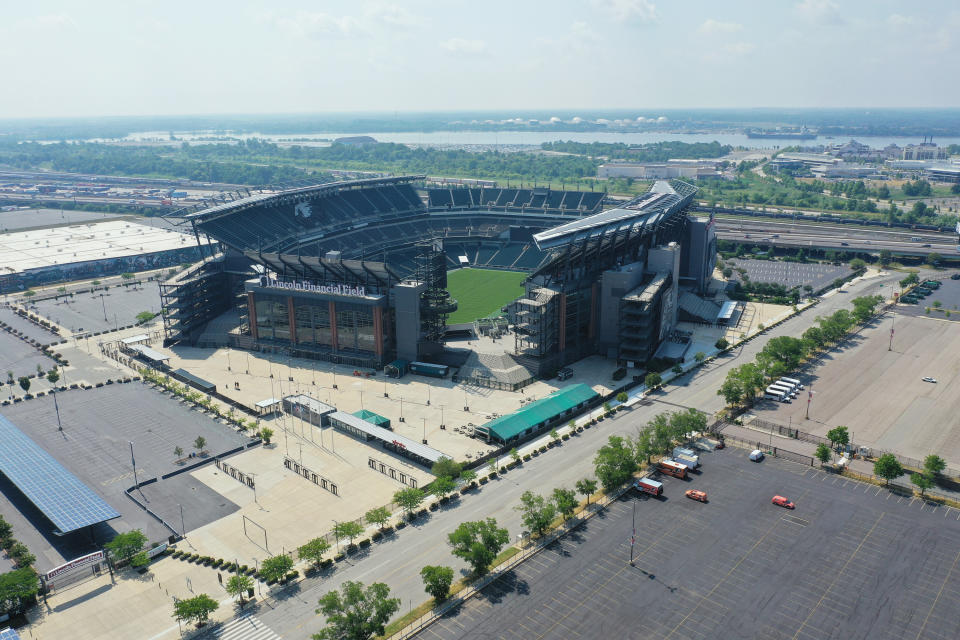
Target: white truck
691, 461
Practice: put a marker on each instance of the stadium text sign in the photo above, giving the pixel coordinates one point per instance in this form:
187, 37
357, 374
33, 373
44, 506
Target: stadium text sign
82, 561
332, 289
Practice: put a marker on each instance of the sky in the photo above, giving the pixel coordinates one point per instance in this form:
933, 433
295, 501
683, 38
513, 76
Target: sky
140, 57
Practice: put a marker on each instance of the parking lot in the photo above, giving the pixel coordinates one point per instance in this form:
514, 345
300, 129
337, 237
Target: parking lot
876, 389
98, 425
20, 358
789, 274
852, 561
119, 306
27, 328
948, 297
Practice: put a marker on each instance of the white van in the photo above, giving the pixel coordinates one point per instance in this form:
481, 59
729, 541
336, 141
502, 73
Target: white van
756, 455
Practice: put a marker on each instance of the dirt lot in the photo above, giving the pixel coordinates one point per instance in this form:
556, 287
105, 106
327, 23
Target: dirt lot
880, 394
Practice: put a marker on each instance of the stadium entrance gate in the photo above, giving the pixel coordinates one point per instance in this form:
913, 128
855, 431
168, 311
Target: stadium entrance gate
75, 572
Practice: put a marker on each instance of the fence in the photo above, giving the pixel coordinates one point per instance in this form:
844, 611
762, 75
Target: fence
789, 432
776, 452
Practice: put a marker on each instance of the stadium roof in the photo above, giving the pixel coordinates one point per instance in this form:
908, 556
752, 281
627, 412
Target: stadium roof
539, 411
335, 270
662, 200
58, 494
287, 196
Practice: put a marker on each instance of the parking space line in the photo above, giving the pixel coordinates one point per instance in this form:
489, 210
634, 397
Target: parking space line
939, 593
837, 576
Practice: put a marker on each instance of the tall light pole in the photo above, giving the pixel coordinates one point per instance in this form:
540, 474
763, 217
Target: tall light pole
893, 321
133, 461
633, 533
335, 536
424, 431
104, 308
183, 529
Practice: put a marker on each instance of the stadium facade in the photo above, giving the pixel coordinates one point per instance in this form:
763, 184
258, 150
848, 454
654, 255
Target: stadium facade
355, 272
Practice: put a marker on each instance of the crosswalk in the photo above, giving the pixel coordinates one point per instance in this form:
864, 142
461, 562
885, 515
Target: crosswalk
246, 627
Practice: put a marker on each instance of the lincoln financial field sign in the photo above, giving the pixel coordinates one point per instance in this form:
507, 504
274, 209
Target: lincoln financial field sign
330, 289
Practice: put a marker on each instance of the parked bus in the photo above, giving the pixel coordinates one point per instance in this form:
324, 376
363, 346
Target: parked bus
647, 485
790, 391
792, 381
672, 468
774, 394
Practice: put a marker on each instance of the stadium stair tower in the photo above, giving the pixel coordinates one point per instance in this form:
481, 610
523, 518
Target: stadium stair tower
435, 302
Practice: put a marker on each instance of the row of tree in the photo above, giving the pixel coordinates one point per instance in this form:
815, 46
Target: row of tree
783, 354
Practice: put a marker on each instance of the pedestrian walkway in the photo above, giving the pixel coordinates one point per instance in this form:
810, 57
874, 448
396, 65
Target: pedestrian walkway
246, 627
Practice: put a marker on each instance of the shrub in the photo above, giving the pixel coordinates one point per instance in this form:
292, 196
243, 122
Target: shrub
434, 506
565, 436
526, 457
364, 543
377, 536
339, 557
352, 548
401, 525
484, 480
543, 449
387, 529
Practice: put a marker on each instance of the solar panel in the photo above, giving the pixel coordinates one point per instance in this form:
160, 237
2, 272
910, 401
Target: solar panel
8, 634
61, 496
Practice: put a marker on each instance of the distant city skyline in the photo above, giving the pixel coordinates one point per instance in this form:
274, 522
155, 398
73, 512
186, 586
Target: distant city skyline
171, 58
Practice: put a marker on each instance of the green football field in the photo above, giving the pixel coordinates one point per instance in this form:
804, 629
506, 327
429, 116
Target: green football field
482, 292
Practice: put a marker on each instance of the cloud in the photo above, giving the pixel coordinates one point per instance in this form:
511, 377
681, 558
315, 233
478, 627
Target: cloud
715, 26
462, 46
739, 48
897, 20
392, 15
46, 22
820, 12
729, 52
320, 25
630, 11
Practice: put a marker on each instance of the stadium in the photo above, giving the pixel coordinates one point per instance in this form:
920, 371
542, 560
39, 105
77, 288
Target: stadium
356, 273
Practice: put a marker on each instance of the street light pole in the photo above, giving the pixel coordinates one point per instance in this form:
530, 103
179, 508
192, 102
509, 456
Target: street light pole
104, 308
335, 536
134, 462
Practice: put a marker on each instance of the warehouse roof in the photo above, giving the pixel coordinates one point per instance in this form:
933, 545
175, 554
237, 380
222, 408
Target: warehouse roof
539, 411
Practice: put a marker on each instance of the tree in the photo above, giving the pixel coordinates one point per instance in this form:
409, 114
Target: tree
442, 486
699, 356
126, 545
685, 423
347, 529
377, 516
355, 612
199, 444
446, 467
478, 543
653, 380
857, 264
677, 369
934, 259
555, 435
408, 499
178, 451
24, 383
885, 256
238, 584
275, 568
126, 276
565, 501
622, 397
314, 550
437, 581
922, 481
197, 608
933, 466
838, 437
18, 589
266, 434
887, 467
53, 376
536, 512
614, 463
468, 476
515, 455
492, 465
145, 316
823, 453
721, 344
586, 487
139, 559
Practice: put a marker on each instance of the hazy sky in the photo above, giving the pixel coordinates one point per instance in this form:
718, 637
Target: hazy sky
138, 57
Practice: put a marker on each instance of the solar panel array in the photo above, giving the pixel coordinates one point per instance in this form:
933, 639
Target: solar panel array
8, 634
58, 494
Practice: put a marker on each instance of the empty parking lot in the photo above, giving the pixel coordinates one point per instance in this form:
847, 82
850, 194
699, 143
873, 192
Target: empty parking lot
852, 561
98, 427
118, 307
790, 274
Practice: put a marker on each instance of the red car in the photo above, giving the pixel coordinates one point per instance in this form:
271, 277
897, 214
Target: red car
780, 501
696, 495
720, 445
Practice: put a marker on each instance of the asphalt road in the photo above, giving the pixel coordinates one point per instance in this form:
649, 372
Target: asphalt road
836, 236
397, 562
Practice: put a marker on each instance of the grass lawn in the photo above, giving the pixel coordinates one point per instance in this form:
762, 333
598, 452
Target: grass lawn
482, 292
